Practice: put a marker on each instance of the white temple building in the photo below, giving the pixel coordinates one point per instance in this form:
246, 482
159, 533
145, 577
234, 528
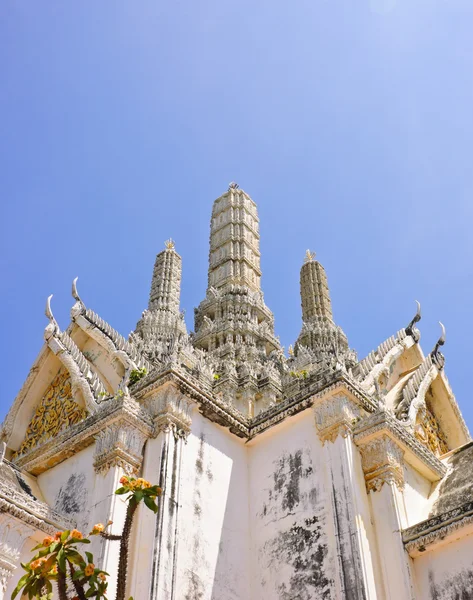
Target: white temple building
313, 476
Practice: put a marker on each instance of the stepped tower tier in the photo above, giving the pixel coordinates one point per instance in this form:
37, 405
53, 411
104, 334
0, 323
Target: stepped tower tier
233, 324
320, 341
162, 325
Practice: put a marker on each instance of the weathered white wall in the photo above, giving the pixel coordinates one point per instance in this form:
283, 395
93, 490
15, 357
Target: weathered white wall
417, 491
69, 487
446, 573
292, 552
213, 557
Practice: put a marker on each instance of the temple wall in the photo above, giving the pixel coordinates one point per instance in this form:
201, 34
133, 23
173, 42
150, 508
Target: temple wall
69, 487
292, 555
213, 529
417, 491
446, 573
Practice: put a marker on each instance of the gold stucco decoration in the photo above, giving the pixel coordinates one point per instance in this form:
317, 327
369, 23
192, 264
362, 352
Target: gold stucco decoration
429, 433
56, 411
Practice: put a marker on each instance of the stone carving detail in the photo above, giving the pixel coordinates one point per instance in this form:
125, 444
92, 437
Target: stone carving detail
233, 326
382, 461
429, 432
83, 378
13, 534
161, 333
56, 411
119, 444
171, 411
336, 416
321, 345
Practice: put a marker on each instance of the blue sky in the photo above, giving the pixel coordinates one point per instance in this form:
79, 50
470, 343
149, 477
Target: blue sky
349, 123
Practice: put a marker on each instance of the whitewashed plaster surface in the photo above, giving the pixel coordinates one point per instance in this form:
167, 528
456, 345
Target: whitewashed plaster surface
417, 493
447, 572
214, 537
69, 487
292, 555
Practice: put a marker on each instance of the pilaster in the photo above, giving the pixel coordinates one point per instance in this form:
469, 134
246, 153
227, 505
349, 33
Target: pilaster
118, 451
158, 534
13, 535
382, 461
335, 419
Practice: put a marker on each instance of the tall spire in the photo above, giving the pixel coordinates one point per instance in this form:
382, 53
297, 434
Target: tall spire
162, 325
234, 256
320, 339
233, 324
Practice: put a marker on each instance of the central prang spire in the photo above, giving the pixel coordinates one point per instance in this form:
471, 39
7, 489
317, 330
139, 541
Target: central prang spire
234, 256
233, 324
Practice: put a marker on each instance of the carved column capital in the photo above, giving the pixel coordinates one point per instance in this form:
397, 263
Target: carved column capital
13, 535
171, 411
334, 416
382, 461
120, 444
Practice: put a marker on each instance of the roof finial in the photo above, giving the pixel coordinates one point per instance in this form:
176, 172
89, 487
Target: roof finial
411, 329
52, 326
170, 244
309, 256
233, 186
437, 356
75, 293
290, 350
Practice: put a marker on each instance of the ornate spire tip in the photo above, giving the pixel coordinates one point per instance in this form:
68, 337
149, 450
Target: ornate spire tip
309, 256
170, 244
233, 186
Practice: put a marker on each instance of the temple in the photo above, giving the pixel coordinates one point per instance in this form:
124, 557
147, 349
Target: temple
306, 475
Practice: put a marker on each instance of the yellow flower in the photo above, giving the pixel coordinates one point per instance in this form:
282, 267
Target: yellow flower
58, 535
102, 577
48, 540
76, 534
89, 569
147, 484
124, 480
97, 529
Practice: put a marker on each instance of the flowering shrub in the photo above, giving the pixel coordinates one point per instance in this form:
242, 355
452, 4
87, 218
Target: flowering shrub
58, 560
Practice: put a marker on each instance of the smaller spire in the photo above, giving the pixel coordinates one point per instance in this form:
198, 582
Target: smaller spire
170, 244
233, 186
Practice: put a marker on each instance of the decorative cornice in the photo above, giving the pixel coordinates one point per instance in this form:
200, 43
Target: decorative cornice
216, 409
31, 511
83, 434
384, 423
418, 537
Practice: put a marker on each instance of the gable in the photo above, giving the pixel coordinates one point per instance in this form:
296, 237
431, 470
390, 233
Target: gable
56, 411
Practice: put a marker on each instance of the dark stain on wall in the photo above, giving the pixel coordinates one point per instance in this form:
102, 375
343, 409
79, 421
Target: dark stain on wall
294, 502
459, 587
195, 590
303, 548
72, 496
287, 477
203, 471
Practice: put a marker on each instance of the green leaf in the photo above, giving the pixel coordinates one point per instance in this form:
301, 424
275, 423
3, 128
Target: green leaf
121, 491
90, 557
151, 504
74, 557
139, 495
20, 585
65, 535
61, 560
